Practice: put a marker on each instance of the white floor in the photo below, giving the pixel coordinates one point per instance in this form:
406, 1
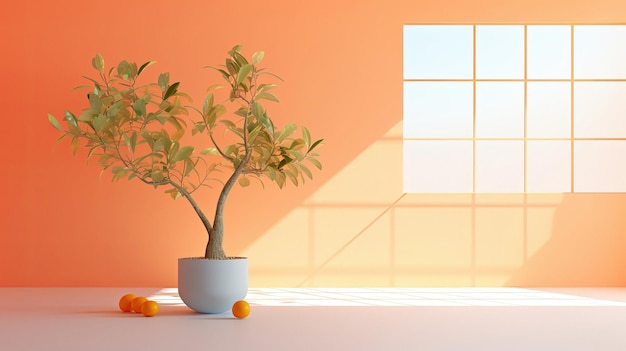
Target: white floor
454, 297
321, 319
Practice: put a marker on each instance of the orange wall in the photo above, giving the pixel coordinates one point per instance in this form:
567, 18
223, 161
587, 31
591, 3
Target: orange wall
342, 63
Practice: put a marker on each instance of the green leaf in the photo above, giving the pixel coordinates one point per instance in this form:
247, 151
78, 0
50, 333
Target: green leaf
99, 122
157, 175
173, 193
229, 124
267, 96
297, 144
139, 107
95, 104
172, 146
63, 137
95, 82
54, 122
260, 181
297, 155
209, 151
244, 181
291, 176
74, 145
266, 87
182, 154
269, 125
231, 149
270, 172
261, 72
306, 171
164, 81
232, 67
124, 70
284, 161
316, 163
287, 131
208, 104
314, 145
171, 90
222, 72
214, 87
236, 48
257, 110
240, 59
98, 63
87, 115
163, 143
280, 179
220, 110
307, 137
71, 118
81, 87
197, 128
257, 57
243, 72
91, 151
241, 111
115, 109
119, 172
189, 166
252, 134
131, 142
144, 66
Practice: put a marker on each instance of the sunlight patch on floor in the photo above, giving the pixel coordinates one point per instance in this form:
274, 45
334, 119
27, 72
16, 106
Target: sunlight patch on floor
458, 297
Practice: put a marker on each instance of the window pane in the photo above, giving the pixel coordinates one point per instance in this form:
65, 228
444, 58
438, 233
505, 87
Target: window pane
500, 52
438, 52
438, 110
549, 52
600, 109
597, 166
438, 166
599, 52
548, 166
549, 109
504, 106
500, 166
500, 110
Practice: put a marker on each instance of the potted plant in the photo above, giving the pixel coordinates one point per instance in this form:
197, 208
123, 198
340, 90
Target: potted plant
141, 132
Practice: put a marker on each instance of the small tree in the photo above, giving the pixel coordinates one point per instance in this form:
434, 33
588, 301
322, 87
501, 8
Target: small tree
137, 131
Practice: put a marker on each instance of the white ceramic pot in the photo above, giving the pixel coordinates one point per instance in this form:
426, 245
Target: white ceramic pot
212, 286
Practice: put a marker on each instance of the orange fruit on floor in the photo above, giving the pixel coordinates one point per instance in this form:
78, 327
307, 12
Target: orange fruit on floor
137, 302
125, 302
241, 309
150, 308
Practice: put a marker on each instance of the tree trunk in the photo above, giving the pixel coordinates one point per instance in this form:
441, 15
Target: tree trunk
214, 249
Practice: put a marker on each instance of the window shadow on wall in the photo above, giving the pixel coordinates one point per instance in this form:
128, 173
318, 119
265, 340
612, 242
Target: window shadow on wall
586, 246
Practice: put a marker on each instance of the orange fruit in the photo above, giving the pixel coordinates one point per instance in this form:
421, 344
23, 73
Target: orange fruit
137, 302
125, 302
241, 309
150, 308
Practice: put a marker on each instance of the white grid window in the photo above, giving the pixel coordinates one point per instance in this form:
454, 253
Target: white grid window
514, 108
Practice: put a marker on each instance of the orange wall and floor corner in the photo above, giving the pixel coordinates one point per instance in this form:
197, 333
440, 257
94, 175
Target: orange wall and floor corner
61, 225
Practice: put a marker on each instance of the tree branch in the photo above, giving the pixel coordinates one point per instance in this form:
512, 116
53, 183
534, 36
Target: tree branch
195, 206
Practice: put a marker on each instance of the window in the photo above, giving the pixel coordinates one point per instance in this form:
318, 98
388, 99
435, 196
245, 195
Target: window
514, 108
